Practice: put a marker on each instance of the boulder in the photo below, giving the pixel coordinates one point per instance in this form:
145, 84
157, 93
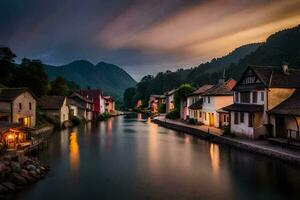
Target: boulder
9, 185
30, 167
34, 174
15, 166
18, 179
3, 189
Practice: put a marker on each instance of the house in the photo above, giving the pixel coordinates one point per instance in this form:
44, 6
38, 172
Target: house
18, 105
55, 108
11, 136
85, 106
155, 101
195, 101
214, 99
261, 89
285, 118
170, 100
97, 98
109, 104
76, 109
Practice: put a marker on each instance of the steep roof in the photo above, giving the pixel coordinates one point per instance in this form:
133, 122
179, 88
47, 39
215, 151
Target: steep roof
10, 94
75, 94
201, 90
274, 77
290, 106
75, 103
222, 89
91, 93
51, 102
158, 96
168, 93
197, 105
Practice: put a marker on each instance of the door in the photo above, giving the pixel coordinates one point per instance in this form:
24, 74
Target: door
211, 119
280, 127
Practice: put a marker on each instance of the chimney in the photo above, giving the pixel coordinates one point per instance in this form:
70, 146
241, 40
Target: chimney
285, 68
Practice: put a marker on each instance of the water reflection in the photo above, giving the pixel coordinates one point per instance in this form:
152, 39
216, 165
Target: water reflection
74, 154
215, 158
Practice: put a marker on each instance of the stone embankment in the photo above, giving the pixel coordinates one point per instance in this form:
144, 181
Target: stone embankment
17, 173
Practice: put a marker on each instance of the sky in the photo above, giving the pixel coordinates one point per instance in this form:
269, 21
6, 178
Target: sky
141, 36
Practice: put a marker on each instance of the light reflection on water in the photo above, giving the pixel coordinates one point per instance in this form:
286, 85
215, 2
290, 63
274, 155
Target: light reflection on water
131, 158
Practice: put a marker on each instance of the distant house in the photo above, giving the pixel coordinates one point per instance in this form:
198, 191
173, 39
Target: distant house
195, 101
83, 104
214, 99
259, 91
55, 108
155, 101
109, 104
18, 105
76, 109
98, 101
170, 100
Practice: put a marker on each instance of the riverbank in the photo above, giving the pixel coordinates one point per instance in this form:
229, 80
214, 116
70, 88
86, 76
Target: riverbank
215, 135
17, 172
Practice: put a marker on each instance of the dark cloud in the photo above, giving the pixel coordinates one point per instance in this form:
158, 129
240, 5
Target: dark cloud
141, 36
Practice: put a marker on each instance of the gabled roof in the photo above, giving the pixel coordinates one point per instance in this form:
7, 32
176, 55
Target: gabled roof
169, 93
274, 77
75, 94
290, 106
75, 103
201, 90
222, 89
51, 102
10, 94
108, 98
91, 93
158, 96
4, 126
244, 108
197, 105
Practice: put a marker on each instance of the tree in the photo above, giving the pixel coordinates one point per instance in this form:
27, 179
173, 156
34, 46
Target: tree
59, 87
128, 97
7, 67
31, 74
181, 93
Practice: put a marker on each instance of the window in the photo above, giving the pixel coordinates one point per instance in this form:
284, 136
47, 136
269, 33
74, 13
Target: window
20, 106
254, 97
200, 113
204, 115
236, 117
208, 99
242, 117
250, 118
224, 118
262, 96
245, 97
63, 117
236, 95
30, 106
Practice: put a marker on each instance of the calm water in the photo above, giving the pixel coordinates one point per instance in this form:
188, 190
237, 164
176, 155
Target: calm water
130, 158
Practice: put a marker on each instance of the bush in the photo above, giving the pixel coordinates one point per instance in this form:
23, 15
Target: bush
76, 121
175, 114
226, 130
192, 121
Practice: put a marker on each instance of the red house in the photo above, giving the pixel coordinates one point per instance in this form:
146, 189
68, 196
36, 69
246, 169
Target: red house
98, 101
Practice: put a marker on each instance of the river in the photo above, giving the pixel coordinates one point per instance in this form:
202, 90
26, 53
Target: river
128, 157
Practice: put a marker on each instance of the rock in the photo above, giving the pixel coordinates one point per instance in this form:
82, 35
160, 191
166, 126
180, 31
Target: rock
34, 174
16, 167
29, 178
24, 172
38, 171
9, 185
30, 167
3, 189
18, 179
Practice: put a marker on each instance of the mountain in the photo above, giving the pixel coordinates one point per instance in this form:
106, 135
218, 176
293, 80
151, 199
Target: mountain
108, 77
204, 73
283, 46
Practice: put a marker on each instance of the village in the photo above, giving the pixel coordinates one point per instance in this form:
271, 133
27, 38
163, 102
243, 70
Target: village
261, 110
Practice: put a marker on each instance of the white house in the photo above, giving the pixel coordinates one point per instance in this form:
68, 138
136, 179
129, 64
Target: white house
214, 99
170, 100
260, 90
18, 105
195, 101
55, 108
